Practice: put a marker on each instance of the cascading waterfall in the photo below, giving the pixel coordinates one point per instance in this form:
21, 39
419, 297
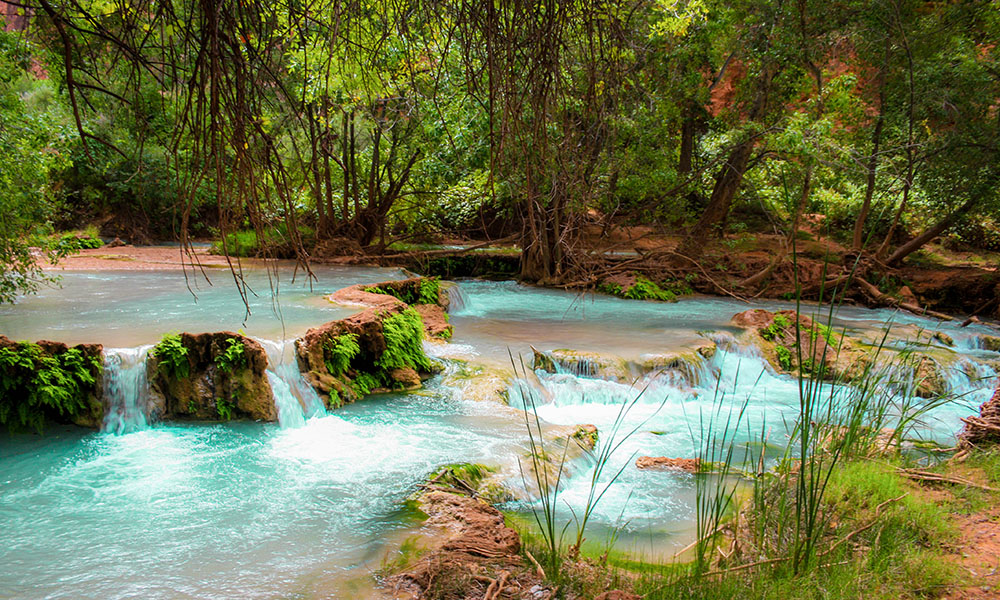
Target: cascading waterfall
294, 398
126, 390
456, 298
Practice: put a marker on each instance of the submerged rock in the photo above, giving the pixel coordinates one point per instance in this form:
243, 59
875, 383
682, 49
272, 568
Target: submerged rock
663, 463
210, 376
683, 365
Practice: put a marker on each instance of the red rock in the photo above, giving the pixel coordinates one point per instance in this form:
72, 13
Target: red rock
662, 463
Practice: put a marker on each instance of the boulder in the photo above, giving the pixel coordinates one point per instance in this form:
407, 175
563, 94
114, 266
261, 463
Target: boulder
663, 463
210, 389
345, 359
824, 351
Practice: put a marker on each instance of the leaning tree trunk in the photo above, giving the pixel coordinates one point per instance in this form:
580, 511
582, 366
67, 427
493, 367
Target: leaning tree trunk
932, 232
730, 177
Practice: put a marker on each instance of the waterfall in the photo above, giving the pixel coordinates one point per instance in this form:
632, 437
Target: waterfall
294, 398
126, 390
457, 298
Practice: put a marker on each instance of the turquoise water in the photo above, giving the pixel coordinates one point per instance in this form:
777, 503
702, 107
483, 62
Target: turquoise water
129, 308
309, 507
225, 511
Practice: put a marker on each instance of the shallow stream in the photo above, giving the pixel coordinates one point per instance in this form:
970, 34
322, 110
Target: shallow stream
310, 506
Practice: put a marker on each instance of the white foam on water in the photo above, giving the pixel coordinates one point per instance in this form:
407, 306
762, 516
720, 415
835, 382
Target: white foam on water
126, 390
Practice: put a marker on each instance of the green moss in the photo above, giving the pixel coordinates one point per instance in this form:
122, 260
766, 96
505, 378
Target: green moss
586, 436
339, 351
35, 386
425, 291
233, 358
407, 554
644, 289
173, 357
404, 335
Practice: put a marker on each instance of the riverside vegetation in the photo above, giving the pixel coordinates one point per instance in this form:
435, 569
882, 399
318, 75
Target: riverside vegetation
850, 505
649, 150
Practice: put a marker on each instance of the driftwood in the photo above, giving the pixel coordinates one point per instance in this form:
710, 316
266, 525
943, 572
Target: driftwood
881, 297
984, 429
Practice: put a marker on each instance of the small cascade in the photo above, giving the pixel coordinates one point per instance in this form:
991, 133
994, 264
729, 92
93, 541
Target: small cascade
967, 376
126, 390
457, 299
294, 398
290, 412
579, 367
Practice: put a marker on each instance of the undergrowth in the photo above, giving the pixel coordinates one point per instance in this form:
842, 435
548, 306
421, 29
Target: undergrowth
646, 289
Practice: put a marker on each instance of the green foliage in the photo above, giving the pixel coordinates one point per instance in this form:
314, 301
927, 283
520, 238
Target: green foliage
339, 351
404, 335
364, 383
645, 289
425, 291
35, 386
233, 358
224, 408
430, 290
172, 355
612, 289
32, 129
776, 328
75, 243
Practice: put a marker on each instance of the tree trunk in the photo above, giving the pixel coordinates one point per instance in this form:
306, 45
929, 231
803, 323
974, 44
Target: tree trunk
727, 183
859, 224
729, 179
932, 232
688, 127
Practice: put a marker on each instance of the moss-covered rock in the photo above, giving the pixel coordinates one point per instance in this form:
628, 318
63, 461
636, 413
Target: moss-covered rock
210, 376
50, 381
784, 335
582, 364
988, 342
469, 479
379, 349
